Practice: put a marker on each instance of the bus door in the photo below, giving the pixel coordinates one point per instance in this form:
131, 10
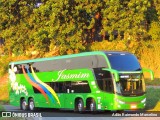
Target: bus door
68, 95
106, 85
108, 89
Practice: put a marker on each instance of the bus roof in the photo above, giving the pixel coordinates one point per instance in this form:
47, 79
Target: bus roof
70, 56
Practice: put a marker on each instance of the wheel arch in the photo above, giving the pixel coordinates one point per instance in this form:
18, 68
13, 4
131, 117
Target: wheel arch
88, 101
20, 102
23, 98
77, 98
30, 98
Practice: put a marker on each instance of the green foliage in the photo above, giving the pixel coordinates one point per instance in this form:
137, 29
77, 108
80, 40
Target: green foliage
152, 102
125, 16
119, 45
71, 25
155, 30
1, 108
4, 61
155, 82
4, 93
148, 54
157, 7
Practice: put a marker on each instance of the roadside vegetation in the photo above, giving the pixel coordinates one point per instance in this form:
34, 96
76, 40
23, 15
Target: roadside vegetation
155, 82
1, 107
153, 99
4, 93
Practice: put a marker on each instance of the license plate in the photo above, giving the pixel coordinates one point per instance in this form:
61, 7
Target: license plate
133, 106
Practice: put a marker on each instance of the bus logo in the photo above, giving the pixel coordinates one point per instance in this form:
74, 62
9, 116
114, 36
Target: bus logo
64, 75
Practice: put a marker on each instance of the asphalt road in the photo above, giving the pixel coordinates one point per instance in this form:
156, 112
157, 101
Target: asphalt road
58, 113
52, 114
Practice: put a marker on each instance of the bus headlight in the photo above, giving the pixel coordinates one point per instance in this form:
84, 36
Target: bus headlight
120, 102
144, 100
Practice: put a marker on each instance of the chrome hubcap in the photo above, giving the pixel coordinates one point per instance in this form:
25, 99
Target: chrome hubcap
24, 104
31, 105
92, 107
80, 106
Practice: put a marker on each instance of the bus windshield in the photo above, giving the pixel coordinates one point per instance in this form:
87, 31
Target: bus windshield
129, 84
133, 85
124, 62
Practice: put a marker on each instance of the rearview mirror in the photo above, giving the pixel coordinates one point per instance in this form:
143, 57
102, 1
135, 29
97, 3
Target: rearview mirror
150, 71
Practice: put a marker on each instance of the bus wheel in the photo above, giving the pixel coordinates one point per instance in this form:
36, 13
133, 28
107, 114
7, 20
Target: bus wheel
23, 105
92, 106
31, 104
80, 106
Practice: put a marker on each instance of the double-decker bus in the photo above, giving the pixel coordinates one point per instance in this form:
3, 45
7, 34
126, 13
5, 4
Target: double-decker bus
89, 81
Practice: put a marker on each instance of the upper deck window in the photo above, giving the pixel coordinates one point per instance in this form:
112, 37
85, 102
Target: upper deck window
124, 62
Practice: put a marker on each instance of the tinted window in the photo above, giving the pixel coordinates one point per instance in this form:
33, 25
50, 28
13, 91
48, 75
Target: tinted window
81, 87
36, 90
132, 86
69, 87
58, 87
104, 80
93, 61
124, 62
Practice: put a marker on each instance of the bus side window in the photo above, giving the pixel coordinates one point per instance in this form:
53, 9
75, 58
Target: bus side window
104, 80
109, 85
68, 87
108, 81
81, 87
55, 87
58, 87
63, 87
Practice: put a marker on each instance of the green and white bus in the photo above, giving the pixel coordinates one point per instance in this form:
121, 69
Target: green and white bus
89, 81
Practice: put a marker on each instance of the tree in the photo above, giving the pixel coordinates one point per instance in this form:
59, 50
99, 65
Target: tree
70, 25
124, 16
153, 19
13, 25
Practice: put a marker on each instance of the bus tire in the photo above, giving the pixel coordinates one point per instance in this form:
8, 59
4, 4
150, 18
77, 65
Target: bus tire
79, 106
23, 105
31, 104
92, 106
